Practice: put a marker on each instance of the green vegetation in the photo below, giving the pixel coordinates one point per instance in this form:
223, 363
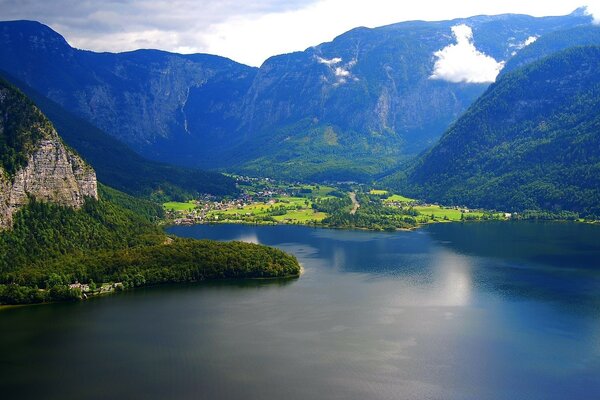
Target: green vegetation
146, 209
378, 192
372, 214
22, 126
52, 246
530, 143
179, 206
396, 198
50, 250
283, 209
265, 201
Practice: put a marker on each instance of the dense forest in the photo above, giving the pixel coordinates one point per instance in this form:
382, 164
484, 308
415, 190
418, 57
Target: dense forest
531, 142
371, 214
51, 247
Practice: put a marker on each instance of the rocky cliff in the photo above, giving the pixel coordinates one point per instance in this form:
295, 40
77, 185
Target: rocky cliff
34, 162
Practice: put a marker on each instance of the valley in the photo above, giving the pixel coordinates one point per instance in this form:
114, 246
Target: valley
265, 201
407, 207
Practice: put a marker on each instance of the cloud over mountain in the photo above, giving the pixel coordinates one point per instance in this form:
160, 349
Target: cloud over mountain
462, 62
594, 11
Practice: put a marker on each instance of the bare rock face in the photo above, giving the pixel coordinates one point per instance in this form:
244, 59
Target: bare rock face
52, 174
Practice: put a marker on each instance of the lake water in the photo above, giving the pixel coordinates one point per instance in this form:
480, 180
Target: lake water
451, 311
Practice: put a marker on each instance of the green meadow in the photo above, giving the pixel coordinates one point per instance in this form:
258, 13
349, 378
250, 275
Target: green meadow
179, 206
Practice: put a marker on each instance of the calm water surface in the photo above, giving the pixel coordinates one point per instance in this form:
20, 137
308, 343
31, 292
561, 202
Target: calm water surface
453, 311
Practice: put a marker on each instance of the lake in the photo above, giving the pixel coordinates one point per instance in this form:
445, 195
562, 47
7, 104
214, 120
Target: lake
450, 311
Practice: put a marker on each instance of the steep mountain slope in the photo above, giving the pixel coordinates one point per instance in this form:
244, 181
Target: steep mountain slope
341, 110
140, 97
34, 162
553, 42
532, 141
119, 166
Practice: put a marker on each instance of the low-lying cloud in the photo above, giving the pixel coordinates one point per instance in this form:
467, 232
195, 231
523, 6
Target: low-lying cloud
462, 62
341, 73
523, 44
333, 61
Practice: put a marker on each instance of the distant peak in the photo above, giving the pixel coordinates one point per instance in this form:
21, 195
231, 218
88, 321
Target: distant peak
29, 29
581, 12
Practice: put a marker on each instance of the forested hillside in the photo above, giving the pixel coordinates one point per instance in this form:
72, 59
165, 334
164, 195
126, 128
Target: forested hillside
531, 142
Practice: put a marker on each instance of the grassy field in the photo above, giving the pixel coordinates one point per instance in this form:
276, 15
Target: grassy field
301, 216
445, 214
396, 198
177, 206
378, 192
297, 210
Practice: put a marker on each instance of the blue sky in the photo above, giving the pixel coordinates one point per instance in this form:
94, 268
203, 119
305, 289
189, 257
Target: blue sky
245, 30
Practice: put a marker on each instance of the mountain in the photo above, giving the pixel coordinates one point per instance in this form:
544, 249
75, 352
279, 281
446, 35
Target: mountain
60, 228
348, 109
531, 142
34, 162
553, 42
120, 167
366, 100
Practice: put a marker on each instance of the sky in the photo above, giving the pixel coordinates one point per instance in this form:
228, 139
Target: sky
250, 31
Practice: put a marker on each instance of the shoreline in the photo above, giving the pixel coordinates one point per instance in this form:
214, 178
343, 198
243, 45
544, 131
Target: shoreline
190, 283
166, 224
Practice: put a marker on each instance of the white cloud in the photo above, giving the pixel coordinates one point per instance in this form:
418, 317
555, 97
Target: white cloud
333, 61
341, 72
530, 40
462, 62
523, 44
594, 11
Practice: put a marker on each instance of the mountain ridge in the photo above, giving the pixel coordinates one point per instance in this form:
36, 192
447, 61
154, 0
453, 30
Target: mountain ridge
365, 97
531, 142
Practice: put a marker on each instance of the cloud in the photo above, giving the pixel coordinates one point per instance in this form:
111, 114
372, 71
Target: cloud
594, 11
523, 44
333, 61
462, 62
341, 72
530, 40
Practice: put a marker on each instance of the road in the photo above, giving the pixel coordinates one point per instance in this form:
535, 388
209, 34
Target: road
355, 203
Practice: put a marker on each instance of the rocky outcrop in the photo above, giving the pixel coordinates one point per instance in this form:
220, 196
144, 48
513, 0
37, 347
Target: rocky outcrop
52, 174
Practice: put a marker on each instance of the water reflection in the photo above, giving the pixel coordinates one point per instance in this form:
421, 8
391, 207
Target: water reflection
453, 274
248, 237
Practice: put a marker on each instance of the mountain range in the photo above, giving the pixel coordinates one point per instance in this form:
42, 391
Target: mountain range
351, 109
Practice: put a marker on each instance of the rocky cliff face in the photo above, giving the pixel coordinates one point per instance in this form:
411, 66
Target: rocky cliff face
51, 172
